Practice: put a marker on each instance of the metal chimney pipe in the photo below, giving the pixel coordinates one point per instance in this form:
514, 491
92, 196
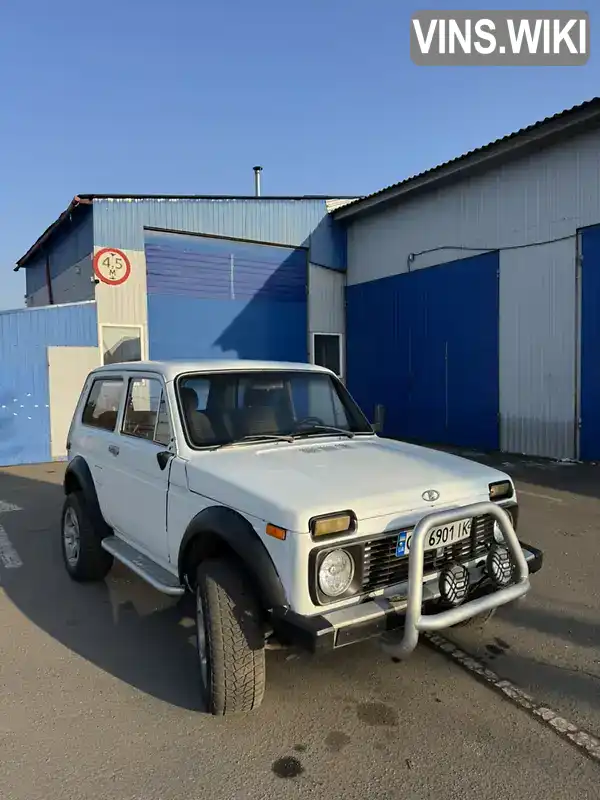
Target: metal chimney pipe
257, 171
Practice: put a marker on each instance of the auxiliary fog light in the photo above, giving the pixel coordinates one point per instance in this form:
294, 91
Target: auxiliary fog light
336, 573
499, 565
454, 584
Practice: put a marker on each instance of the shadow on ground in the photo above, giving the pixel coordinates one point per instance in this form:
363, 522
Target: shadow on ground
556, 675
569, 629
148, 640
121, 625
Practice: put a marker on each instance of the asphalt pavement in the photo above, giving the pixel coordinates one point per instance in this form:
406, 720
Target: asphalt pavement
549, 643
99, 694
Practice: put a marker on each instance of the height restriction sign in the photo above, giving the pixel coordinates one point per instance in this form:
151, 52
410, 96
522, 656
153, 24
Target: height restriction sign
112, 266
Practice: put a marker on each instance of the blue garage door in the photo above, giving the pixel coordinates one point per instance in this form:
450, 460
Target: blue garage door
590, 345
211, 297
425, 345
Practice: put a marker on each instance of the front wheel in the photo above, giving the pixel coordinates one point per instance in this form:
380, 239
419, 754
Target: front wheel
231, 640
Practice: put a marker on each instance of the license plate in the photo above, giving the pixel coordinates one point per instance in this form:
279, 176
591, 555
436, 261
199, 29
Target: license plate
437, 537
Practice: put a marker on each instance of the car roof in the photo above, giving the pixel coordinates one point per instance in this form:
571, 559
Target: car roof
172, 369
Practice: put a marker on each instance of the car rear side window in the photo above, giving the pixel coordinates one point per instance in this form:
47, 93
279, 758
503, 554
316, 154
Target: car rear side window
102, 406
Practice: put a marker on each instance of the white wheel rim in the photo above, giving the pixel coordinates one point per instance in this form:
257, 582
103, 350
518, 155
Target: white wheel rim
201, 636
71, 536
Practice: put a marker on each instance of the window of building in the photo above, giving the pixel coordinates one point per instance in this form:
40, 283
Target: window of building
121, 343
327, 351
102, 406
146, 413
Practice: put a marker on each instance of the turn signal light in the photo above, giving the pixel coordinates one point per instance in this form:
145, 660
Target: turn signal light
335, 523
501, 490
275, 532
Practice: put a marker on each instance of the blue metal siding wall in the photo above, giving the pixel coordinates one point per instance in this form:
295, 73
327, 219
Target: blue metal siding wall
209, 268
75, 243
589, 442
71, 247
425, 345
35, 281
24, 392
211, 298
296, 223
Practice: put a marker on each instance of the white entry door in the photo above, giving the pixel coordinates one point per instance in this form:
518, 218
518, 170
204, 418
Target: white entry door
68, 368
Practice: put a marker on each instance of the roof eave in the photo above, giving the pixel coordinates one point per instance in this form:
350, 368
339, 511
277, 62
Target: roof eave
473, 163
39, 243
88, 199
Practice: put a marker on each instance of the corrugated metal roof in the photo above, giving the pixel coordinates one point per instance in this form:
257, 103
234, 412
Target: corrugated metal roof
167, 197
541, 129
332, 205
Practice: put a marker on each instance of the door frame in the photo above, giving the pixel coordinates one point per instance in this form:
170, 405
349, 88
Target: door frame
140, 328
341, 350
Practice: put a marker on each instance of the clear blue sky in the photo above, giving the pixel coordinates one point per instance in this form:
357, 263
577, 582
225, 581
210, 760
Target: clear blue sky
127, 96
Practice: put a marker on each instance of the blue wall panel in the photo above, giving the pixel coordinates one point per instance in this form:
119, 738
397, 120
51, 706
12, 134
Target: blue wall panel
292, 222
24, 391
35, 278
216, 298
209, 268
189, 328
72, 242
589, 446
425, 345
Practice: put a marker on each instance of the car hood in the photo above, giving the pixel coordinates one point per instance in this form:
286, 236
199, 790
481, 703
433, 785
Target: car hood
287, 484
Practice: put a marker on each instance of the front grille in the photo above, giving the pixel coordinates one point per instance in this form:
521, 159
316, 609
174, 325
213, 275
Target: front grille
382, 568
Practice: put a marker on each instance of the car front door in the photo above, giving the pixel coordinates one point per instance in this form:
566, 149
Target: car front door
138, 481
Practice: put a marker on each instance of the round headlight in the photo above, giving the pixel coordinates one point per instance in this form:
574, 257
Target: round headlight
336, 573
498, 536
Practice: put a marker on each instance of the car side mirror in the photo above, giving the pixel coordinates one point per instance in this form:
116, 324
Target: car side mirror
377, 423
163, 458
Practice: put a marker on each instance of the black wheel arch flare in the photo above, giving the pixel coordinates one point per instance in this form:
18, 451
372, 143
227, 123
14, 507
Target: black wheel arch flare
221, 525
78, 477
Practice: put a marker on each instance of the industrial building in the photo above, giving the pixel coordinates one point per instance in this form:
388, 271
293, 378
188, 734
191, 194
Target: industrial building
473, 294
128, 278
461, 303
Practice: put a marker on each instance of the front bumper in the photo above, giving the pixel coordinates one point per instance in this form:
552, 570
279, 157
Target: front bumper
356, 623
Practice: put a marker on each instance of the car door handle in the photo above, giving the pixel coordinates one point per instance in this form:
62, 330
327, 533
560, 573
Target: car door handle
113, 449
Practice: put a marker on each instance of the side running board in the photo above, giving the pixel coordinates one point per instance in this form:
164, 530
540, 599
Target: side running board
148, 570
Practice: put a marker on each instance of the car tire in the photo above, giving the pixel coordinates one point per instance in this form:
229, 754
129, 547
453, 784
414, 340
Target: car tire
84, 558
478, 622
231, 639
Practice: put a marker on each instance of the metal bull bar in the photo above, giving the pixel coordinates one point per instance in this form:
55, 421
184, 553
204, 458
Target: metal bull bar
415, 621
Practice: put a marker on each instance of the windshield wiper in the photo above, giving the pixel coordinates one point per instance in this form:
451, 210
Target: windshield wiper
258, 437
316, 429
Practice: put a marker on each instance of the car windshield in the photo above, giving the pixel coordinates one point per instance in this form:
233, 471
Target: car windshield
225, 408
